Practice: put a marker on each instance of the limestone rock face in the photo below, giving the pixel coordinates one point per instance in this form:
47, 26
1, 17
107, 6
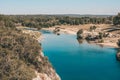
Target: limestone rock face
43, 76
48, 74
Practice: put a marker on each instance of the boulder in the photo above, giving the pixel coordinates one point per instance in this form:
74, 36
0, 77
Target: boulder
118, 56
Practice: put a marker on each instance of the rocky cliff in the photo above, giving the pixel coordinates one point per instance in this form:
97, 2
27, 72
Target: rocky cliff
21, 57
50, 73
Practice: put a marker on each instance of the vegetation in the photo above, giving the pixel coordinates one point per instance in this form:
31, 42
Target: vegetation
57, 29
19, 53
92, 28
118, 43
100, 35
116, 19
79, 34
39, 21
6, 22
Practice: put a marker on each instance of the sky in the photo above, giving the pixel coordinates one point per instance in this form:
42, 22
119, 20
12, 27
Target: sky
109, 7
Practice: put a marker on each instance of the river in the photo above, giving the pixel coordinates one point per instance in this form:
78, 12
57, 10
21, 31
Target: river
74, 61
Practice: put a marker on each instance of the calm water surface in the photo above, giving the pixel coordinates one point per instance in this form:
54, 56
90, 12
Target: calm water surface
74, 61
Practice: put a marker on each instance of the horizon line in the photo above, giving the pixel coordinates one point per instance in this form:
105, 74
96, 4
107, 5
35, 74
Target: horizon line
55, 14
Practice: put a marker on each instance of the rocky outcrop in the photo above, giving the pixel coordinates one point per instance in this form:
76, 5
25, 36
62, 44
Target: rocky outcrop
57, 30
118, 56
80, 34
35, 34
48, 73
44, 76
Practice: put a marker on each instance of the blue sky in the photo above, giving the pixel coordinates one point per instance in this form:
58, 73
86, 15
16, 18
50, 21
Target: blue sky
59, 6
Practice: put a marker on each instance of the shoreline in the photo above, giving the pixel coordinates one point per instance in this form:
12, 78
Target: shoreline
109, 42
39, 76
114, 45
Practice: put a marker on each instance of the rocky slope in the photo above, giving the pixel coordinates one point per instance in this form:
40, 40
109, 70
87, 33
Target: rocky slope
50, 73
21, 57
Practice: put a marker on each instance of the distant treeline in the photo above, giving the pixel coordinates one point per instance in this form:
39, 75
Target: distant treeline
49, 21
20, 53
39, 21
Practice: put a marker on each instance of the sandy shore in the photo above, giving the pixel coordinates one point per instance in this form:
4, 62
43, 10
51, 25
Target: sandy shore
108, 44
62, 30
111, 42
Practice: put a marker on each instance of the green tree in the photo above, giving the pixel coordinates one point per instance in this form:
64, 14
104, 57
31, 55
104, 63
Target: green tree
79, 34
118, 43
116, 19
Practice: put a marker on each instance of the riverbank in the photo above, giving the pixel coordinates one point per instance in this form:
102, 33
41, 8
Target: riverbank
80, 59
50, 73
108, 41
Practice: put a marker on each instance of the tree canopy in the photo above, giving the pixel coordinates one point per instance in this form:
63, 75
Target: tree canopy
116, 19
20, 54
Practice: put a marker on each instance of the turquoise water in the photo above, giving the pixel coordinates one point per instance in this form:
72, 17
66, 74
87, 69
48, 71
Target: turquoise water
74, 61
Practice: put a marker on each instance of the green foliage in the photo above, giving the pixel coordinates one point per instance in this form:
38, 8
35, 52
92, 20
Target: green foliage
19, 54
16, 52
11, 68
118, 43
100, 35
80, 31
116, 20
92, 28
79, 34
39, 21
6, 22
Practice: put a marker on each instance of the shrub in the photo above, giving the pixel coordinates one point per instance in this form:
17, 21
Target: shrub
118, 43
79, 34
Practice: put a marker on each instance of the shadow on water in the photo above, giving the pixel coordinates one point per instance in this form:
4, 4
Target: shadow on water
118, 55
49, 32
81, 41
46, 32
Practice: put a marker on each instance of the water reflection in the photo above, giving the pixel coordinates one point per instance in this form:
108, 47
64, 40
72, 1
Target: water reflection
45, 31
57, 33
80, 41
118, 55
74, 61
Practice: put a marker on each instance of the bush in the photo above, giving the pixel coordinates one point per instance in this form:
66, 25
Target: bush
20, 54
116, 19
79, 34
118, 43
100, 35
100, 41
92, 28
